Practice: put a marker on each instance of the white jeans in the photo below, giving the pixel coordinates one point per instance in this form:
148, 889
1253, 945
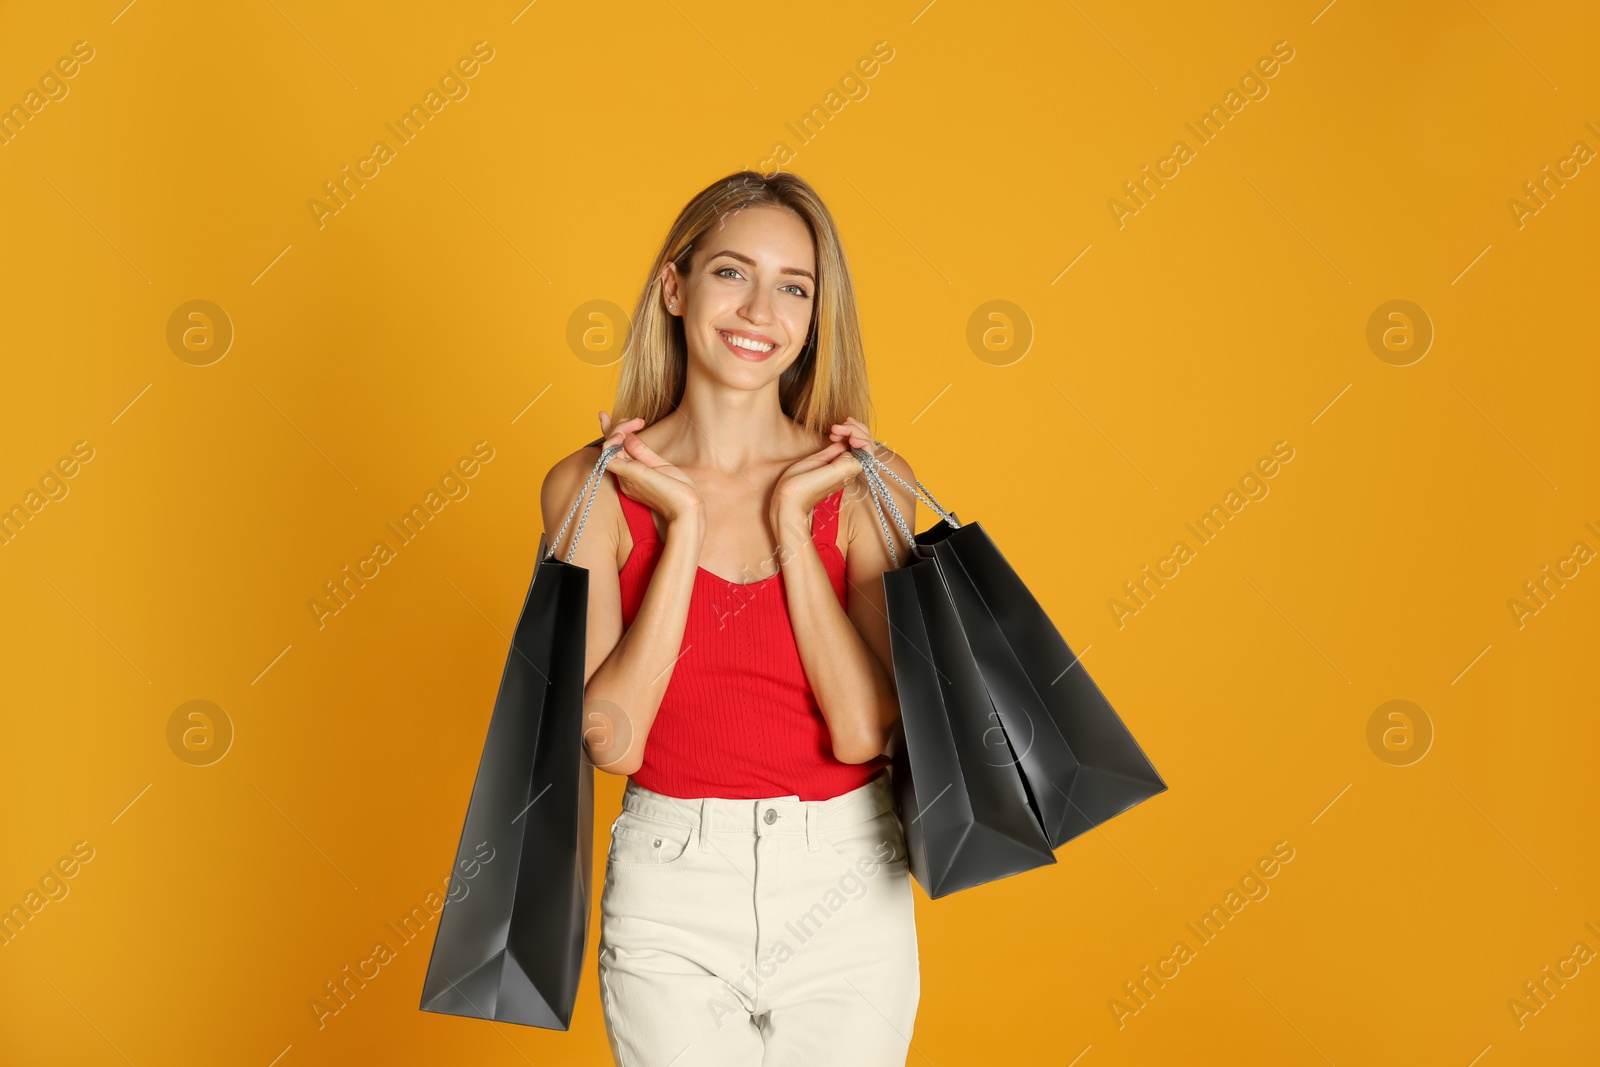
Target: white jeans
758, 933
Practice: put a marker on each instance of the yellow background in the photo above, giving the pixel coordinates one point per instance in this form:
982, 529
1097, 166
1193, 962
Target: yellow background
1227, 314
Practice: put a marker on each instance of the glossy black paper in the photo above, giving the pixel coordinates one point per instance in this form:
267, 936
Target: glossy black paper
960, 796
998, 719
1080, 763
511, 940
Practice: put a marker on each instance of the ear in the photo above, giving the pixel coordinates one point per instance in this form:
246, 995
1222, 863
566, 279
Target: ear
671, 287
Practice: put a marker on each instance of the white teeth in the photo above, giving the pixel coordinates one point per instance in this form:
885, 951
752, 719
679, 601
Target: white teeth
745, 342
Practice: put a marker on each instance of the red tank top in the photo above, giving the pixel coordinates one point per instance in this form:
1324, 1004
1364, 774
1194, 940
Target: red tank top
739, 719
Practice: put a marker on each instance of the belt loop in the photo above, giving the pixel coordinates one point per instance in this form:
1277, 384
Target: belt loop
813, 827
705, 822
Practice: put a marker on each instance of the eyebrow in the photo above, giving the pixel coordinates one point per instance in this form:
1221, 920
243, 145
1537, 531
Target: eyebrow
742, 258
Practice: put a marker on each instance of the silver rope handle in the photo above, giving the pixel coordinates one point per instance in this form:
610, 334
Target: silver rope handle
925, 496
606, 455
880, 493
873, 469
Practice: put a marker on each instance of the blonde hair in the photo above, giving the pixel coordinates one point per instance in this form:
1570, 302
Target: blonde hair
828, 380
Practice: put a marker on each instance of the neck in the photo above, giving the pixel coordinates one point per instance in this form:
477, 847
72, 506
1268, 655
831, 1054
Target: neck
729, 430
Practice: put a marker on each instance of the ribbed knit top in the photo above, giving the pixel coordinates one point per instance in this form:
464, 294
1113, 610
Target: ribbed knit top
739, 719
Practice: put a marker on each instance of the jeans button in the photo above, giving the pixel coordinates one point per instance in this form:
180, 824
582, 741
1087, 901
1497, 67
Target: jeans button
771, 816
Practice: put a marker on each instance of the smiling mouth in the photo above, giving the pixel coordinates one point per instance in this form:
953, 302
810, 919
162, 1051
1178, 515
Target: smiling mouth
745, 348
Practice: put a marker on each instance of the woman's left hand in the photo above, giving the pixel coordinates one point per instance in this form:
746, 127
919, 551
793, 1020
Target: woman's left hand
853, 433
809, 481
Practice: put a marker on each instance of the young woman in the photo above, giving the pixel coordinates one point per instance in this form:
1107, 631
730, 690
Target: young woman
757, 908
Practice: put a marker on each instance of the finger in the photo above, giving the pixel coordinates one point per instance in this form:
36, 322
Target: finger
629, 474
613, 435
865, 440
855, 430
817, 459
633, 446
631, 469
625, 467
817, 476
607, 431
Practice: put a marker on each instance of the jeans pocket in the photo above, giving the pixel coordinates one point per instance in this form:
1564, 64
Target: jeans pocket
640, 841
869, 843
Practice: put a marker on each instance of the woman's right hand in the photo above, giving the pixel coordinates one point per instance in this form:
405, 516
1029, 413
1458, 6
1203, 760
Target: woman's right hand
647, 477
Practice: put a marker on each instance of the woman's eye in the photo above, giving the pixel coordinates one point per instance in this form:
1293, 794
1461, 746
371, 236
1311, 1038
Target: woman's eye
798, 290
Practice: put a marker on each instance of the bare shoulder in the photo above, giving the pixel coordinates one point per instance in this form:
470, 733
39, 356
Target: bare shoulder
562, 484
566, 477
903, 496
865, 532
898, 463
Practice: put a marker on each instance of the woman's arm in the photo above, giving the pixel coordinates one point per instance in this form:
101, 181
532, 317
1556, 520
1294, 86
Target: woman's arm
626, 672
845, 651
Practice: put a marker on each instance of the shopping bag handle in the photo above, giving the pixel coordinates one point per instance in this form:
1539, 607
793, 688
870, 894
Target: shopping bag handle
873, 469
606, 455
876, 486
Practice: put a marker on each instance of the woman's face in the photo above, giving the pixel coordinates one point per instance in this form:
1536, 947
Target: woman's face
747, 300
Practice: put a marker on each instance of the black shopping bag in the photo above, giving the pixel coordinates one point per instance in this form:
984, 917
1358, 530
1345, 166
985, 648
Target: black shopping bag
958, 791
511, 939
1081, 764
1078, 762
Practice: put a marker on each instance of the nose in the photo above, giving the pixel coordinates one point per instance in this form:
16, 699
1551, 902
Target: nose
758, 309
